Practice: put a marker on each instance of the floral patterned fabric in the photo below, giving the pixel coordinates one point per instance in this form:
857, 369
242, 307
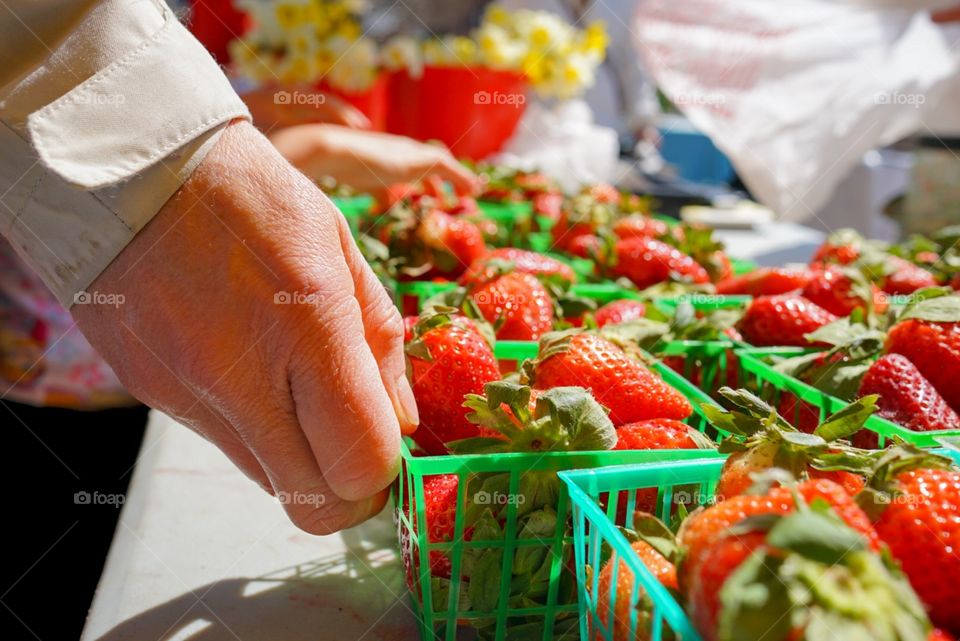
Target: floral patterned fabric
44, 359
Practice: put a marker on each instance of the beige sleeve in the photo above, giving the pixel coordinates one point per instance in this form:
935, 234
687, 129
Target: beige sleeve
105, 110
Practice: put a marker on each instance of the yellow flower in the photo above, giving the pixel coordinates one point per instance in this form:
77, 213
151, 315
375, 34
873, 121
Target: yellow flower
289, 15
595, 39
497, 15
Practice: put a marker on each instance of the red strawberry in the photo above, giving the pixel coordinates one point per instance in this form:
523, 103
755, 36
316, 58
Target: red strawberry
454, 242
934, 347
619, 311
906, 398
585, 246
618, 381
766, 281
639, 226
807, 568
702, 528
719, 267
914, 499
782, 320
604, 193
906, 277
840, 292
841, 247
802, 415
646, 262
512, 259
517, 304
548, 205
617, 619
939, 635
655, 434
448, 359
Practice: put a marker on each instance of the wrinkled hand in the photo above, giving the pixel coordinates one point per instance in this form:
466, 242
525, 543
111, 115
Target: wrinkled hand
370, 161
287, 106
249, 315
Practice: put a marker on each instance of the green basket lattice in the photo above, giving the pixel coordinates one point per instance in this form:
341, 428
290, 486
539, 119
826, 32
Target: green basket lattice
440, 607
773, 384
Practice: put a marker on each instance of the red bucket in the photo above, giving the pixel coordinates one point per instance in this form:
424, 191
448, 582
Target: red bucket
474, 111
372, 103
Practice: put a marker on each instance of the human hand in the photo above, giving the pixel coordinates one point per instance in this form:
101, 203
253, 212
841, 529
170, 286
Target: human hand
270, 112
369, 161
247, 313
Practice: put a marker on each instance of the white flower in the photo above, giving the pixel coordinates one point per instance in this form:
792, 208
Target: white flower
355, 64
402, 52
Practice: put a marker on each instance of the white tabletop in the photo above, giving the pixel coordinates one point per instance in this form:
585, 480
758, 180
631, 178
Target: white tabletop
201, 553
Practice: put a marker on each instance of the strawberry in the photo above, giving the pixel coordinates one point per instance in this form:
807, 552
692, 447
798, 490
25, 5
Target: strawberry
841, 247
802, 415
548, 205
766, 281
517, 304
701, 528
913, 497
507, 259
618, 381
586, 246
454, 242
906, 277
639, 226
840, 291
906, 398
719, 267
448, 359
655, 434
604, 193
617, 619
761, 439
619, 311
646, 262
804, 574
782, 320
939, 635
934, 347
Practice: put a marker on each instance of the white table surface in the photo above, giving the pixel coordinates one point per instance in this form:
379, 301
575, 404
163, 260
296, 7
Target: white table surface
201, 553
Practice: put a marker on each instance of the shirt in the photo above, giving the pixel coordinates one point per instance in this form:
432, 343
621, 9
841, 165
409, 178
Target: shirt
105, 110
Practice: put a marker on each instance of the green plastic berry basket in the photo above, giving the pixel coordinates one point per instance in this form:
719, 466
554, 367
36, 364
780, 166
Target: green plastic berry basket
741, 266
353, 209
808, 403
477, 585
655, 613
598, 540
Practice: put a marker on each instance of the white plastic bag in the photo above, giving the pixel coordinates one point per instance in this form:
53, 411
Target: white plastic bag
796, 91
563, 141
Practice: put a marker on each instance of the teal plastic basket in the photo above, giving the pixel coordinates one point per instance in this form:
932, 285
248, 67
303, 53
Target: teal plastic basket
597, 539
757, 369
443, 607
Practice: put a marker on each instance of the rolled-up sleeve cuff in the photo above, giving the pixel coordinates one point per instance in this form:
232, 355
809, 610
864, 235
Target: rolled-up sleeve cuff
83, 173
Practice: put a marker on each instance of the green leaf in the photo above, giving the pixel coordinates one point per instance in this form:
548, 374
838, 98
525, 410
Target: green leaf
941, 308
484, 590
848, 420
754, 602
816, 536
574, 412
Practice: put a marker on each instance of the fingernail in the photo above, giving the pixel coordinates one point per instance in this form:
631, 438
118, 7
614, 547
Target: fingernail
406, 406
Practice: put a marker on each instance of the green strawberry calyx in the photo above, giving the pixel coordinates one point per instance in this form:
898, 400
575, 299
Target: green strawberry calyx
882, 488
754, 424
815, 574
933, 304
563, 419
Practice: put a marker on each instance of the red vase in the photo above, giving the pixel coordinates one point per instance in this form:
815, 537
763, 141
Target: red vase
473, 111
372, 102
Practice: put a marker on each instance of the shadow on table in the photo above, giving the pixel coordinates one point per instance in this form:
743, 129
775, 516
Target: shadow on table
353, 595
